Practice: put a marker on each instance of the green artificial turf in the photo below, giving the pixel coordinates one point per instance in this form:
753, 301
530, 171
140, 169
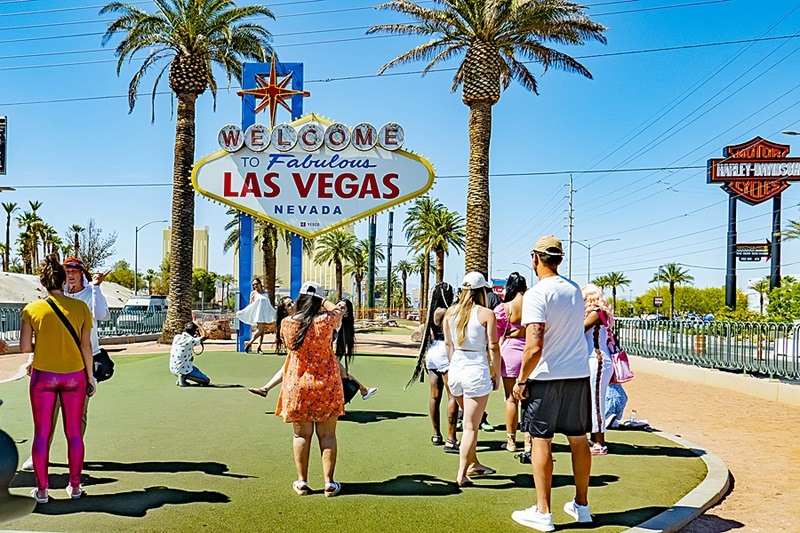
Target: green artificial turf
165, 458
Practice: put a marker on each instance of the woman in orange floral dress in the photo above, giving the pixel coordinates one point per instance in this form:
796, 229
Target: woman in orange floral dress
311, 397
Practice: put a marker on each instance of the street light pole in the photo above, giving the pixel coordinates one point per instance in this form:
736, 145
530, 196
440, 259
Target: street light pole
589, 256
531, 269
136, 255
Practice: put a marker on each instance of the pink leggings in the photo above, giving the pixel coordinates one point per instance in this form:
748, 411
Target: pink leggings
45, 388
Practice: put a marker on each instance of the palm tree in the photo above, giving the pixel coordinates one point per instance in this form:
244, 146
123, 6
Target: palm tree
359, 264
27, 239
762, 288
496, 37
601, 281
76, 231
405, 268
9, 208
226, 280
672, 274
616, 279
436, 230
418, 222
150, 276
337, 247
190, 36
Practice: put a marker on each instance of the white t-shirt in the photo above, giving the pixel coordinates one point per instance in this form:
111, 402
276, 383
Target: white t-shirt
557, 302
181, 356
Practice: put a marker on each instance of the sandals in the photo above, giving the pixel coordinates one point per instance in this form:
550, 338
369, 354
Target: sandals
301, 487
484, 471
437, 440
260, 392
466, 482
35, 496
597, 449
451, 446
332, 489
510, 444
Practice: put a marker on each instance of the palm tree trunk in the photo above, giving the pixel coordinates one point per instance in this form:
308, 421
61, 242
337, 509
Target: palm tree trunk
478, 208
6, 256
614, 298
439, 265
77, 245
426, 276
671, 301
182, 232
337, 264
358, 295
405, 277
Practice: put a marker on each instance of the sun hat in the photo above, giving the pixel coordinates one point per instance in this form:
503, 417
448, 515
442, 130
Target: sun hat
312, 288
74, 262
550, 245
474, 280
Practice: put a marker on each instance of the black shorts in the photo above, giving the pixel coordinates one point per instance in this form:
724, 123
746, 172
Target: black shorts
557, 406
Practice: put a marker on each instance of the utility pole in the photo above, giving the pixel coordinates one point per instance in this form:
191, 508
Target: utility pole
570, 224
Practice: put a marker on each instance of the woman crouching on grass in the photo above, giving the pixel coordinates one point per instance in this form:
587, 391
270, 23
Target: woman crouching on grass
469, 327
311, 397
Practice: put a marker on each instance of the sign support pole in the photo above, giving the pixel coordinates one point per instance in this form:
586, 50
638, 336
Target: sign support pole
775, 265
730, 274
249, 71
371, 268
389, 266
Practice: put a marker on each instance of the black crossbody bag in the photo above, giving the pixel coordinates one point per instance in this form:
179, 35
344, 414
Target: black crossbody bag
103, 365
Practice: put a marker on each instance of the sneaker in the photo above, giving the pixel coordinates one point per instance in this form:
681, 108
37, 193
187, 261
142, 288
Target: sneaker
370, 393
27, 466
597, 449
578, 512
531, 517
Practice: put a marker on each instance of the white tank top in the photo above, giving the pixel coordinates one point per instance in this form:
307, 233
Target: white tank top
475, 339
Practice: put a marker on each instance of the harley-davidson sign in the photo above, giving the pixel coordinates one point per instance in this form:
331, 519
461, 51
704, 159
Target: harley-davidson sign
756, 170
312, 175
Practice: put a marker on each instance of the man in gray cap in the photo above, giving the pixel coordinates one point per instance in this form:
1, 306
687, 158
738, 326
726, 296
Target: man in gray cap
553, 383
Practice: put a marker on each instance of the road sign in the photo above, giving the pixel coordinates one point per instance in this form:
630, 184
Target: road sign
658, 301
754, 251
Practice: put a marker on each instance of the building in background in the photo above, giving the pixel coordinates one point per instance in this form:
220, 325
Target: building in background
199, 248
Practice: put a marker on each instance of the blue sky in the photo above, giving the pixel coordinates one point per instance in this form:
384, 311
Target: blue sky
69, 128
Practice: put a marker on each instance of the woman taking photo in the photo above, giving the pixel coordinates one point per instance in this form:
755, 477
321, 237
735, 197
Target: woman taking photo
61, 369
311, 397
469, 328
512, 344
259, 312
433, 359
598, 314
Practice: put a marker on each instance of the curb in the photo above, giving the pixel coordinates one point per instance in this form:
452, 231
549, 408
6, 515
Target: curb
707, 494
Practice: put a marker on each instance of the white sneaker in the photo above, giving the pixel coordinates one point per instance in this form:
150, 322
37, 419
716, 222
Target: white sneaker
27, 466
370, 393
531, 517
580, 513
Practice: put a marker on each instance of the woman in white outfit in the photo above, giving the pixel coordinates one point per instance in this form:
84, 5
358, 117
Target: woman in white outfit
469, 328
600, 365
259, 313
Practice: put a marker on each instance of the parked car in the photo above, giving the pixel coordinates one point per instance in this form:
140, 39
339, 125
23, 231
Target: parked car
142, 314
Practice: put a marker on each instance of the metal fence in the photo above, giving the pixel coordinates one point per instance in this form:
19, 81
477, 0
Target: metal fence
119, 323
769, 349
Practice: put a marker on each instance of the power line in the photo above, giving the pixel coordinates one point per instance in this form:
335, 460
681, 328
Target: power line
407, 73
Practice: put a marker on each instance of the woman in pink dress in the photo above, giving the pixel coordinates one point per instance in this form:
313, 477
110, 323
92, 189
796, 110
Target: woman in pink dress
512, 344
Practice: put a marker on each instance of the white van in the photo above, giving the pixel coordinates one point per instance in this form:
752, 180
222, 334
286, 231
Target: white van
142, 314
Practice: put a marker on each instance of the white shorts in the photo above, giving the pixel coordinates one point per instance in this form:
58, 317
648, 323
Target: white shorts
436, 357
468, 378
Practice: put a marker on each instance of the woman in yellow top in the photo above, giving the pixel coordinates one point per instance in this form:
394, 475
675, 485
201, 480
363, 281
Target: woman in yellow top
59, 369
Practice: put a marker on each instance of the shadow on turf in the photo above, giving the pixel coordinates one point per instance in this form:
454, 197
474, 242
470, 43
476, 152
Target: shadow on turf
367, 417
405, 485
134, 503
58, 481
619, 448
168, 467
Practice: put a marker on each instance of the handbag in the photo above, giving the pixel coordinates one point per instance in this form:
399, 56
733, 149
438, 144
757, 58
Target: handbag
103, 365
350, 388
619, 359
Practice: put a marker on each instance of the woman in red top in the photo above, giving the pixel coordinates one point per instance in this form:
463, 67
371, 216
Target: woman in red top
311, 397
